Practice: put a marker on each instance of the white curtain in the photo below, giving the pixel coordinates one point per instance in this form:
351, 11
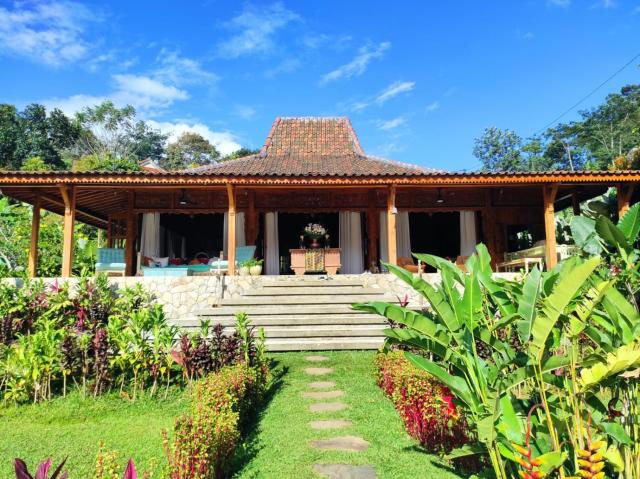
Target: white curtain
351, 242
271, 248
403, 237
240, 236
468, 237
150, 236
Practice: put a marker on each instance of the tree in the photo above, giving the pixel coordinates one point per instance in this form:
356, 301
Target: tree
147, 142
499, 150
35, 163
240, 153
107, 130
190, 149
9, 136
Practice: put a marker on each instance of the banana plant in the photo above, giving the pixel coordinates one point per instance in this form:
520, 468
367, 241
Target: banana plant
460, 338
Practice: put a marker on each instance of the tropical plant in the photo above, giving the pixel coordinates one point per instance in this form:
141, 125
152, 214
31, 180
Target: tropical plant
22, 472
503, 347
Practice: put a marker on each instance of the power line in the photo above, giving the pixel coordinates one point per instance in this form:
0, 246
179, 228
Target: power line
587, 96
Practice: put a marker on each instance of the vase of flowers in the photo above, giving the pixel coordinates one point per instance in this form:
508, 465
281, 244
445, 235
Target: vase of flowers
314, 232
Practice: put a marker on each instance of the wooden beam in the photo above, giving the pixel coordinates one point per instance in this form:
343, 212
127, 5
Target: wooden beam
624, 193
35, 234
231, 229
56, 201
68, 194
549, 193
251, 223
391, 225
130, 240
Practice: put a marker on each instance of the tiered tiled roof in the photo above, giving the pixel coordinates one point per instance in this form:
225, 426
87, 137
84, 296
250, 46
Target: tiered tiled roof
312, 147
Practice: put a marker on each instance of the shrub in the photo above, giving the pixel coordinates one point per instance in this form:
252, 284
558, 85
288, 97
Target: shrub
425, 405
205, 440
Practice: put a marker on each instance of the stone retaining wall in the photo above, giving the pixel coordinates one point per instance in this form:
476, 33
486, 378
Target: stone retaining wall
183, 298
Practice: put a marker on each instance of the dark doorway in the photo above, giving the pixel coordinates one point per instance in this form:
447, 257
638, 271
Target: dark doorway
435, 233
291, 227
203, 233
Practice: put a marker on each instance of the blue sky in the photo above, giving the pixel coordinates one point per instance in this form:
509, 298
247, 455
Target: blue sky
419, 80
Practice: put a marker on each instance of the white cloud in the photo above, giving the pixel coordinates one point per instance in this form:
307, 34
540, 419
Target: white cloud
179, 70
141, 92
46, 32
287, 66
358, 65
433, 106
224, 141
391, 124
394, 90
257, 27
559, 3
245, 112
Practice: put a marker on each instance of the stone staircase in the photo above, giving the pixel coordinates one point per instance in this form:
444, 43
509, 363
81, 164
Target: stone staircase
307, 313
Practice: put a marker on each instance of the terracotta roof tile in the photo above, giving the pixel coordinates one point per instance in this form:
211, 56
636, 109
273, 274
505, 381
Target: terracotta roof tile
312, 147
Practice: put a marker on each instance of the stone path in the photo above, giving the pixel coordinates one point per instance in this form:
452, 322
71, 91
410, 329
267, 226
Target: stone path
339, 443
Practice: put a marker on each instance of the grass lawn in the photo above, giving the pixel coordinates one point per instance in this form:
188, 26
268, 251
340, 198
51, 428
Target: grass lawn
280, 447
73, 427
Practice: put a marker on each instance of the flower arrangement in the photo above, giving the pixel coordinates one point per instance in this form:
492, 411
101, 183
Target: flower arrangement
315, 231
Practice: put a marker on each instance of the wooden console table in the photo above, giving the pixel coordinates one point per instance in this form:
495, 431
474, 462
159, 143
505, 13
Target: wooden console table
315, 260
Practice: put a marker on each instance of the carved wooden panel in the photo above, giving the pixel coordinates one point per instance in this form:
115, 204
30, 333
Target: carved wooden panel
150, 200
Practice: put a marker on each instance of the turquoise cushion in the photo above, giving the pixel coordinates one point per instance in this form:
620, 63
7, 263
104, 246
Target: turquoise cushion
176, 271
110, 255
244, 253
110, 266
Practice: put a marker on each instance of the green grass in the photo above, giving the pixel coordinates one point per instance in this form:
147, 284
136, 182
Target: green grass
73, 427
279, 446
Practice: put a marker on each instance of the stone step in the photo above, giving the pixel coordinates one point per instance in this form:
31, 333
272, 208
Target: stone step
291, 310
314, 291
291, 320
302, 299
333, 331
309, 280
323, 344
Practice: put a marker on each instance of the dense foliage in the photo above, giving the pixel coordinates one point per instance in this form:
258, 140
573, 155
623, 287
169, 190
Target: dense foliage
425, 405
545, 369
15, 235
606, 137
95, 339
102, 137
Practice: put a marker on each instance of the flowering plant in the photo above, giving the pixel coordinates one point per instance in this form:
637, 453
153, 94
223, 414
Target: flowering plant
315, 230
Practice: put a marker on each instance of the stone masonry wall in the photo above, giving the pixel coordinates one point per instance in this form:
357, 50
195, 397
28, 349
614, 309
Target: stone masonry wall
184, 297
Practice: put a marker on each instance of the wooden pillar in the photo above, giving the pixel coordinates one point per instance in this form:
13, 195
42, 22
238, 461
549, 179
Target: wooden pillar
549, 195
35, 233
575, 203
231, 229
69, 197
391, 225
373, 229
251, 223
489, 228
130, 243
624, 192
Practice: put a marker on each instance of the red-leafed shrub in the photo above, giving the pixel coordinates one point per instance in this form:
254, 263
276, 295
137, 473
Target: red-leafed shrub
425, 405
205, 440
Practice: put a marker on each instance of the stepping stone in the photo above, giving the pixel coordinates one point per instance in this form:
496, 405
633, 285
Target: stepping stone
345, 471
323, 394
330, 424
342, 443
322, 385
327, 407
317, 359
318, 371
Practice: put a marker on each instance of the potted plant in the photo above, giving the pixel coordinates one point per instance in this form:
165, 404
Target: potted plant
315, 231
243, 270
255, 267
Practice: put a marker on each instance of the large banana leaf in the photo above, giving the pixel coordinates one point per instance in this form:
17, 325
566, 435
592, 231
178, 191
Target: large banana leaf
583, 231
457, 384
624, 358
611, 234
441, 264
555, 304
629, 224
527, 304
498, 294
471, 306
